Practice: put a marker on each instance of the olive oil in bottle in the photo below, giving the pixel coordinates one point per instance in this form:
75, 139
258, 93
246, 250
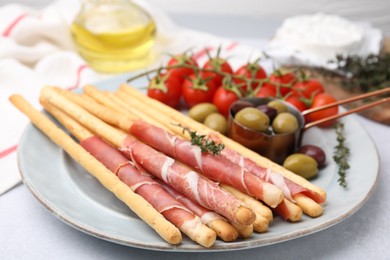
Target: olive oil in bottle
114, 36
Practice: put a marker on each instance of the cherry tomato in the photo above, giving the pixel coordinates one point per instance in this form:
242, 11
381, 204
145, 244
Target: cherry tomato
308, 88
220, 65
320, 100
280, 79
250, 71
166, 89
181, 72
297, 103
197, 88
266, 91
223, 98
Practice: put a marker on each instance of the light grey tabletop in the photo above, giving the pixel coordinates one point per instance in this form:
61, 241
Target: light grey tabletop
29, 231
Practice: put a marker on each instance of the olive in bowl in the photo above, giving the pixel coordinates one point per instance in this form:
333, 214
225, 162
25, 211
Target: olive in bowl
275, 145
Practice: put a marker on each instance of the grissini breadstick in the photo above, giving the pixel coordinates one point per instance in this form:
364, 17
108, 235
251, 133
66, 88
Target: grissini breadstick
166, 169
255, 205
297, 216
111, 182
179, 117
213, 220
245, 231
141, 184
107, 114
308, 206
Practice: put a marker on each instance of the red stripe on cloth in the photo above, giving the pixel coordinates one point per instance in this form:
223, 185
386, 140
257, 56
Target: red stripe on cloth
201, 53
11, 26
8, 151
78, 77
231, 46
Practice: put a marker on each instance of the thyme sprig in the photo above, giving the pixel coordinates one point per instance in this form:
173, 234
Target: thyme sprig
341, 155
206, 145
366, 73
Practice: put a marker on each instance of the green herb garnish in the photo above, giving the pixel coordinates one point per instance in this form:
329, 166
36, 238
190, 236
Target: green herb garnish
204, 144
341, 155
366, 73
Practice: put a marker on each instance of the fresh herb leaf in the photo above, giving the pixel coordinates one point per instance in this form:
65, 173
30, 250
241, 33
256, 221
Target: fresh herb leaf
204, 144
364, 74
341, 155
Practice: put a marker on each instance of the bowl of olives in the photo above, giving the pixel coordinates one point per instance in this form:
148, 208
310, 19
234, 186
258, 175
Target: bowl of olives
270, 127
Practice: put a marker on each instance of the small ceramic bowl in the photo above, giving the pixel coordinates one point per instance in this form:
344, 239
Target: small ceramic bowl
275, 147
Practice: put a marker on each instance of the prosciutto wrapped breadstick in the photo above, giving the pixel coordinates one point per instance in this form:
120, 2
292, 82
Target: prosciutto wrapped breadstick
210, 218
112, 117
304, 201
110, 181
142, 184
263, 213
194, 186
214, 167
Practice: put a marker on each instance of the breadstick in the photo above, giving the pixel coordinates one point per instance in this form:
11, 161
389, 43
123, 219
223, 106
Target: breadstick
308, 206
240, 214
252, 203
115, 136
192, 225
111, 182
296, 211
245, 231
178, 116
108, 115
213, 220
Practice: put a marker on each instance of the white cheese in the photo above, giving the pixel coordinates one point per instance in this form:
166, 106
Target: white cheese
321, 35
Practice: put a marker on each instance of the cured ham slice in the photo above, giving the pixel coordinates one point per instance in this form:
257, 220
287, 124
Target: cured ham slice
210, 218
147, 187
186, 181
215, 167
288, 187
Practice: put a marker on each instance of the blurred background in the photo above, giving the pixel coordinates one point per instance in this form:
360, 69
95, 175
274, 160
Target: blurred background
376, 12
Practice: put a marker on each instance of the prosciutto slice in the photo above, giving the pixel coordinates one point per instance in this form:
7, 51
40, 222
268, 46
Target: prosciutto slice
207, 216
288, 187
142, 184
215, 167
184, 180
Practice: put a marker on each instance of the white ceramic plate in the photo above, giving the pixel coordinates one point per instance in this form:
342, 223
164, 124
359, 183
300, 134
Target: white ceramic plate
79, 200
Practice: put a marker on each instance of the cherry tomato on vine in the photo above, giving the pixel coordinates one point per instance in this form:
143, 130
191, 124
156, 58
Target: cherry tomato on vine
250, 71
217, 64
297, 103
224, 97
165, 89
181, 60
282, 80
308, 88
320, 100
266, 91
198, 88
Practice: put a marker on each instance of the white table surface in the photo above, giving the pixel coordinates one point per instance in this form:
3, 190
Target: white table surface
29, 231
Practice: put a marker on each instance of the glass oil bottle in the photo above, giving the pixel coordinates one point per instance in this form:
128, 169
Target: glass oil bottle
114, 36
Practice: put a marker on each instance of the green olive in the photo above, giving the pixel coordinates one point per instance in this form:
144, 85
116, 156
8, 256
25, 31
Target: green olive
200, 111
253, 118
285, 123
302, 165
278, 105
216, 122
